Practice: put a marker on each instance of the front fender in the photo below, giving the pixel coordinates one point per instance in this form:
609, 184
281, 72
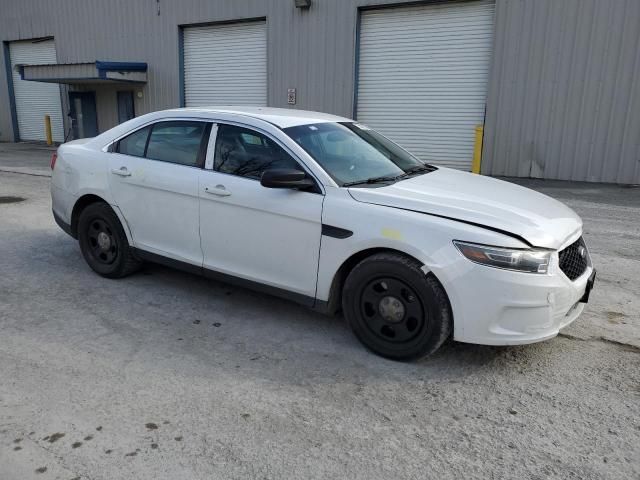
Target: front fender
426, 238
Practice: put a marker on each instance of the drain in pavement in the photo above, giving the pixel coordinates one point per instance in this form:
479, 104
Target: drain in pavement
11, 199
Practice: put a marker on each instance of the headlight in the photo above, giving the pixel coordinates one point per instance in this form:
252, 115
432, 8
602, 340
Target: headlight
531, 261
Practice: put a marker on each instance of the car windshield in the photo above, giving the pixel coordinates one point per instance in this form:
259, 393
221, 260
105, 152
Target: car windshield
355, 155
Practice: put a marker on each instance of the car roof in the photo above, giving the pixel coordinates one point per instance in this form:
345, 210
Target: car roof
282, 117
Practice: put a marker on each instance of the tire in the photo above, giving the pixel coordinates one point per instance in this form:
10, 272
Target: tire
395, 309
103, 242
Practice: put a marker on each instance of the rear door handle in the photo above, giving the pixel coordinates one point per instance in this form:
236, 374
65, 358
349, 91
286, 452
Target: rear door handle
218, 190
122, 172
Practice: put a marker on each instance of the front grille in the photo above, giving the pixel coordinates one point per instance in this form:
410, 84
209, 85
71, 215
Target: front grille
574, 259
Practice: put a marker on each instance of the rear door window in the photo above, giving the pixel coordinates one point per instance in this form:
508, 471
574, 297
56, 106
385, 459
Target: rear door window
135, 143
177, 142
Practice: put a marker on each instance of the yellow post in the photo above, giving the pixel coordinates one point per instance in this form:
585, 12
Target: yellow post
477, 150
47, 129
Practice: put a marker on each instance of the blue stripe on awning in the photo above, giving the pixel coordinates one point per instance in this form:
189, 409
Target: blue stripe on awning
121, 66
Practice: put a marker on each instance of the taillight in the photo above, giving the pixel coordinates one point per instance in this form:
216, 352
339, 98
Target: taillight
54, 157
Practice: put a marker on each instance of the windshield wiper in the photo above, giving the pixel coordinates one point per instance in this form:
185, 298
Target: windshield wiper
413, 170
372, 180
419, 168
409, 172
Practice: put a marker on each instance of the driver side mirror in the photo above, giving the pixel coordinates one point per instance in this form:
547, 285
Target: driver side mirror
286, 178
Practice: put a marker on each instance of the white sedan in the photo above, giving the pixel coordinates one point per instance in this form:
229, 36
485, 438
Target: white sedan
327, 212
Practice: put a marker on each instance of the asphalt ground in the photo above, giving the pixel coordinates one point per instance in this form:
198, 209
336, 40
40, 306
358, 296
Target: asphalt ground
169, 375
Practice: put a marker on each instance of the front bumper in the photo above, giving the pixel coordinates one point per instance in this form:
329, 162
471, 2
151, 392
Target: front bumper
499, 307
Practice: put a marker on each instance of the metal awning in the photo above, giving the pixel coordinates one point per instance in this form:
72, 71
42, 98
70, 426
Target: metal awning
83, 73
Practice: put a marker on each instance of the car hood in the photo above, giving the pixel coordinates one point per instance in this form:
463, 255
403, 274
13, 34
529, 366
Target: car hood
488, 202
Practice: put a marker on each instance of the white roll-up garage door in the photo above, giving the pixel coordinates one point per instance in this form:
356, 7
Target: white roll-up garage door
34, 100
225, 65
423, 74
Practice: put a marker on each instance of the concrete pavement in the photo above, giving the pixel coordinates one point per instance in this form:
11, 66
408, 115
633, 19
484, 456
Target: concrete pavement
166, 375
26, 158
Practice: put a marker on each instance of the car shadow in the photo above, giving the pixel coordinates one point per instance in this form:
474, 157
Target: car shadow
272, 330
221, 327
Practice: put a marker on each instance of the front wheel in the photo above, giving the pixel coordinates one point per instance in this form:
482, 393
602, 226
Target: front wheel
103, 242
395, 309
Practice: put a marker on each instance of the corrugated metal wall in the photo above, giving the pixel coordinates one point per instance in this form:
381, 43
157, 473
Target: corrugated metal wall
564, 97
313, 51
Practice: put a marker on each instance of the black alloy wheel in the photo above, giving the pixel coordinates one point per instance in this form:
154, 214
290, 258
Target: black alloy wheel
396, 309
392, 309
103, 242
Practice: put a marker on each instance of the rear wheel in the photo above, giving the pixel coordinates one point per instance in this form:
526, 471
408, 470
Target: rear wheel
103, 242
394, 309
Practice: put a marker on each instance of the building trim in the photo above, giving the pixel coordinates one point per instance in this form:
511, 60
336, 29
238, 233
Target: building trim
89, 72
224, 22
356, 70
12, 98
267, 62
103, 66
409, 3
37, 40
181, 66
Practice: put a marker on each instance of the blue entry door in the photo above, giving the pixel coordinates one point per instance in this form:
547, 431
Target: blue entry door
84, 118
125, 106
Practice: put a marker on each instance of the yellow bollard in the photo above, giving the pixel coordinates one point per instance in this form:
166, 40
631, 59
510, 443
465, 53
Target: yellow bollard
477, 150
47, 129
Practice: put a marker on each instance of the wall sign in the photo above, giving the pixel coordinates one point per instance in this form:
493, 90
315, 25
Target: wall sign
291, 96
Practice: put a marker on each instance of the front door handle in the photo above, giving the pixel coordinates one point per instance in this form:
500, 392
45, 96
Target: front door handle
218, 190
122, 172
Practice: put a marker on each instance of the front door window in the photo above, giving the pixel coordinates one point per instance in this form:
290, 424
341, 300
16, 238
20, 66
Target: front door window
247, 153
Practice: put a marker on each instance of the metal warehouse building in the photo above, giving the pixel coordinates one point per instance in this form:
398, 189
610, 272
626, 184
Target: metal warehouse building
555, 83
